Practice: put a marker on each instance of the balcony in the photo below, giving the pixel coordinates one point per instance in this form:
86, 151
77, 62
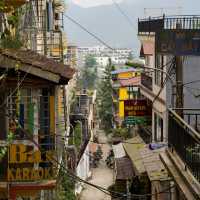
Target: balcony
146, 81
185, 140
185, 22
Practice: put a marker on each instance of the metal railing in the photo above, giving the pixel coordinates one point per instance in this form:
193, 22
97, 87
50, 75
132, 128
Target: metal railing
185, 22
146, 81
186, 142
192, 117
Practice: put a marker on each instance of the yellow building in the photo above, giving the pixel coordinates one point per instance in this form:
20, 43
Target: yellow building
125, 84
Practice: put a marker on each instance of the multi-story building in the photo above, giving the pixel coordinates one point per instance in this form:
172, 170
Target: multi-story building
83, 114
71, 55
29, 128
170, 46
127, 97
37, 103
102, 54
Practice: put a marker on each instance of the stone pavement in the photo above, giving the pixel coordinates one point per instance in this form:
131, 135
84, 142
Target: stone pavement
101, 176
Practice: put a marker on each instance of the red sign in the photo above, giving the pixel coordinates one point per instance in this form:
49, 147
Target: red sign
136, 108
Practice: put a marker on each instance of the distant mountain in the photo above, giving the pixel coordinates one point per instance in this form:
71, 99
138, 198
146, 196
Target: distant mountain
109, 24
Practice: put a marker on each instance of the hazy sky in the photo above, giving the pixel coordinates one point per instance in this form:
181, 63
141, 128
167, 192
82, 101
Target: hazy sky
90, 3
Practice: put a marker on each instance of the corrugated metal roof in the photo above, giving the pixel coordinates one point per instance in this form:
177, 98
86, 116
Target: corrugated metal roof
118, 150
124, 169
132, 148
145, 160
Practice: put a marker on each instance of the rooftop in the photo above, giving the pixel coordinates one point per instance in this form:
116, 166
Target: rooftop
145, 160
155, 24
29, 58
124, 168
125, 70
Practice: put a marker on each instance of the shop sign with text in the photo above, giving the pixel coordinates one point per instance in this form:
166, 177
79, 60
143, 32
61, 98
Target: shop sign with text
27, 164
135, 108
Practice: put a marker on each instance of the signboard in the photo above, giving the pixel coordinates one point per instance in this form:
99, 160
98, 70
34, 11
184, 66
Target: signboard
135, 108
136, 120
26, 164
178, 42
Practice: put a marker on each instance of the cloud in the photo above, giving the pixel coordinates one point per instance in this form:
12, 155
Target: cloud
93, 3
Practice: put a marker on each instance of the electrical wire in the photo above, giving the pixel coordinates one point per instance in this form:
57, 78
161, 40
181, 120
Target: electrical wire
86, 30
106, 191
165, 81
18, 86
124, 15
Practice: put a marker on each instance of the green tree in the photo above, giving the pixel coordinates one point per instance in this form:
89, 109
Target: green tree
89, 73
66, 187
90, 62
105, 103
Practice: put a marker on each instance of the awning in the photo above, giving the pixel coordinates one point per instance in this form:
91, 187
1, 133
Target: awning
147, 48
145, 160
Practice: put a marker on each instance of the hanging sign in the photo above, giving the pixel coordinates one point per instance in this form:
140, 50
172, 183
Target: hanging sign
135, 108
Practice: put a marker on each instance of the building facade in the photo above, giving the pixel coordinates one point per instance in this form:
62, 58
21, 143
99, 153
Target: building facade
173, 105
37, 97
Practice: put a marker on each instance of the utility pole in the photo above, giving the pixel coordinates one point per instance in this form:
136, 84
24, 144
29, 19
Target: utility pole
179, 85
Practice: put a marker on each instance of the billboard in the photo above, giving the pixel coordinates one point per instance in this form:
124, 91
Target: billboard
178, 42
138, 108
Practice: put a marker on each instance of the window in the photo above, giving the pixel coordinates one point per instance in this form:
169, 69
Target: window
21, 112
133, 92
158, 128
159, 74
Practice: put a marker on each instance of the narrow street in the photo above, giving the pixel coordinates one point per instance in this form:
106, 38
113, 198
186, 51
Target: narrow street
101, 176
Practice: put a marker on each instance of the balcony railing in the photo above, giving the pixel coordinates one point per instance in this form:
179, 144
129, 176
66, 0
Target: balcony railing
185, 22
186, 142
146, 81
192, 117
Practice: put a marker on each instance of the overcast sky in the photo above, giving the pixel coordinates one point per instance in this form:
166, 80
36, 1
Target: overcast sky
90, 3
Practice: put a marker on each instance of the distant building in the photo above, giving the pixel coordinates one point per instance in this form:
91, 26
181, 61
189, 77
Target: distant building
102, 54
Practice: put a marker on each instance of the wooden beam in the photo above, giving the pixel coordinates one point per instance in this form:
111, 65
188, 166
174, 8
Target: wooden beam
10, 63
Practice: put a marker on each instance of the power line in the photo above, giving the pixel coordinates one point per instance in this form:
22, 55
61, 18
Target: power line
124, 14
164, 82
89, 32
113, 193
18, 86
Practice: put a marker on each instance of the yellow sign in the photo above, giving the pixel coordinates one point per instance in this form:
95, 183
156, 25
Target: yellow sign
25, 164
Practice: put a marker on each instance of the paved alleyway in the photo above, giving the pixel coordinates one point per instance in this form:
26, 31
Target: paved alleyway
101, 176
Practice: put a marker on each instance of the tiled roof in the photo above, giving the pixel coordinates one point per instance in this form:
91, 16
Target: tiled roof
147, 48
39, 61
